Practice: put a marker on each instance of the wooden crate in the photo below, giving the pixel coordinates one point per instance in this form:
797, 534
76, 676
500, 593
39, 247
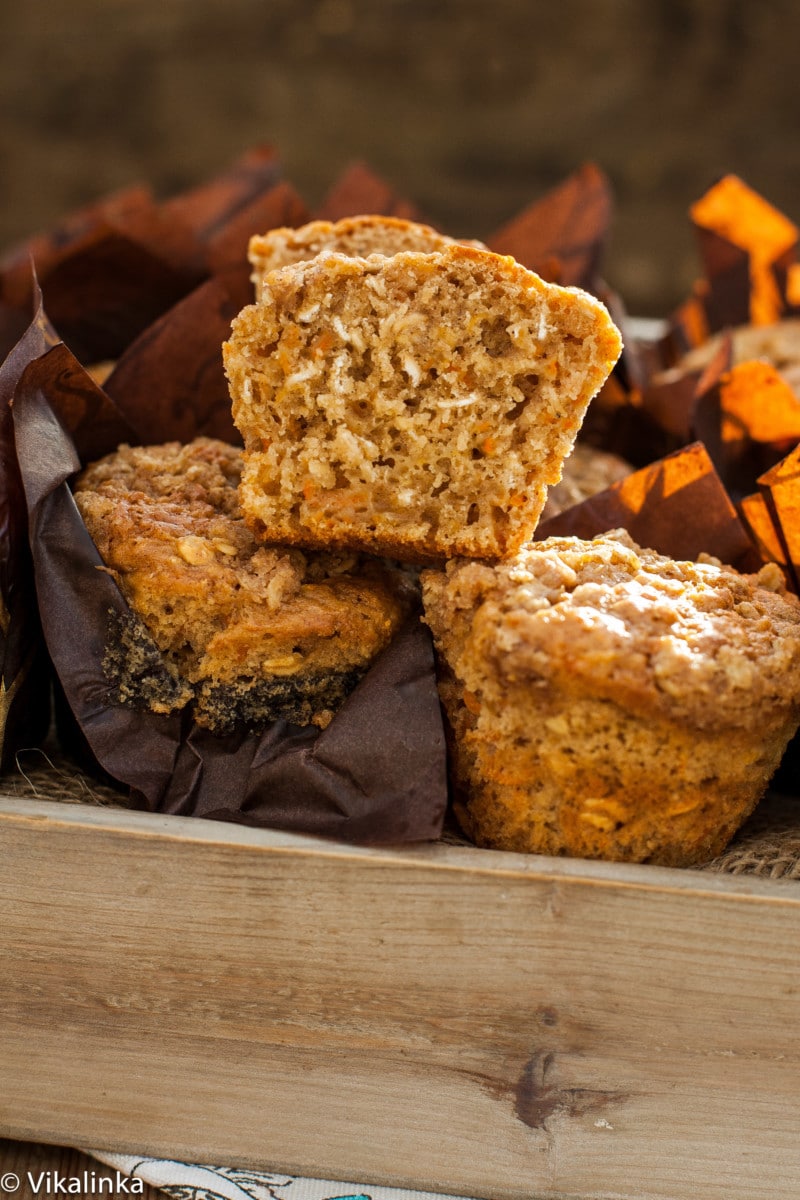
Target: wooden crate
443, 1017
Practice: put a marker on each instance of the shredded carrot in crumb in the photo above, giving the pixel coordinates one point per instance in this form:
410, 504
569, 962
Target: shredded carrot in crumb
517, 500
489, 445
286, 349
309, 489
472, 702
266, 443
348, 499
322, 344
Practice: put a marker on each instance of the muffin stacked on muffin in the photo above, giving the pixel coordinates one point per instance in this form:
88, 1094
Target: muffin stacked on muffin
607, 702
367, 390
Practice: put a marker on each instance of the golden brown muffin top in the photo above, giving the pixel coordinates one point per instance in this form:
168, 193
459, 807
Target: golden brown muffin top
176, 507
167, 523
698, 641
357, 236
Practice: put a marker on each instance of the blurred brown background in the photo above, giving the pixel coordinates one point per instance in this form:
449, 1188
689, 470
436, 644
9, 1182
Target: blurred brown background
470, 109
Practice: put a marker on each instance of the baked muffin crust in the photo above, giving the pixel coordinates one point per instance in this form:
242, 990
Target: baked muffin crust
695, 641
357, 237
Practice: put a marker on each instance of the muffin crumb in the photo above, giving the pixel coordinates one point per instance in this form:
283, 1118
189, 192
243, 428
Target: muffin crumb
416, 406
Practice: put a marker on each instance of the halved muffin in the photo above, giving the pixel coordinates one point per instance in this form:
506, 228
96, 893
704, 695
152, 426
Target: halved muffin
416, 406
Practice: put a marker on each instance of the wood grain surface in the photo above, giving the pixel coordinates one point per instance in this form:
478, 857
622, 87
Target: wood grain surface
446, 1018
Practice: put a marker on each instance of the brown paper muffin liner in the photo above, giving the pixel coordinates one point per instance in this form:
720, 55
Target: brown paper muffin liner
677, 506
109, 270
24, 669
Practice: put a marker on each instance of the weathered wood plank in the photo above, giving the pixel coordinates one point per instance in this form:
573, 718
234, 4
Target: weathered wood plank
448, 1018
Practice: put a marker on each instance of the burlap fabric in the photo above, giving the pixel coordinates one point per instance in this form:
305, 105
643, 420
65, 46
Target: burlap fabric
768, 845
47, 774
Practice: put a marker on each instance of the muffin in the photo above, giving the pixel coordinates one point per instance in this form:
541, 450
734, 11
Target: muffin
587, 471
777, 344
357, 237
244, 633
416, 406
607, 702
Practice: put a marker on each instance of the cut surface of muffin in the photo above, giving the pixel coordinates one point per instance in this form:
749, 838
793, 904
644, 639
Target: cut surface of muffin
607, 702
357, 237
247, 633
416, 406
